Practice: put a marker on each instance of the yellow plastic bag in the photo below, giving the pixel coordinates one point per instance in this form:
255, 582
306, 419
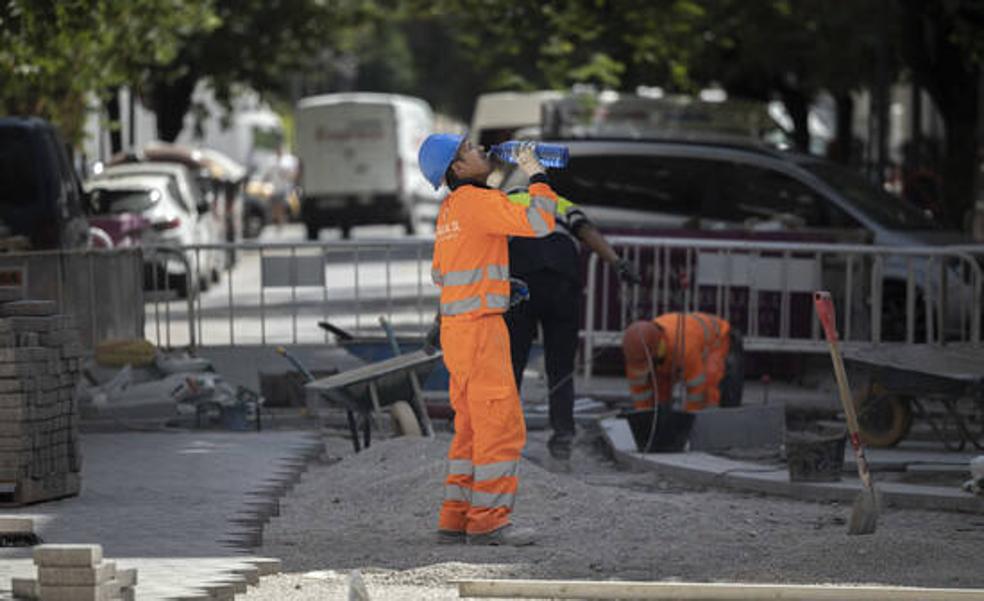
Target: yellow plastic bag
128, 351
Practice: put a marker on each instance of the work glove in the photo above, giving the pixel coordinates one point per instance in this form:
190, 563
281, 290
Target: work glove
525, 156
627, 273
518, 291
432, 339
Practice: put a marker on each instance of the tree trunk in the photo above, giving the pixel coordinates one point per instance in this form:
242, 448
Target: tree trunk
799, 110
960, 162
170, 101
945, 70
844, 138
115, 127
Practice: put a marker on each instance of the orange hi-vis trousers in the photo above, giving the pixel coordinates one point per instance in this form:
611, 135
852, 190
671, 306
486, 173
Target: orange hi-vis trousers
490, 431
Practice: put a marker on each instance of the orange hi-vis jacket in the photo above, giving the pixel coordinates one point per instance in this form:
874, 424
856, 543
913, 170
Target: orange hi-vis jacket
471, 252
696, 350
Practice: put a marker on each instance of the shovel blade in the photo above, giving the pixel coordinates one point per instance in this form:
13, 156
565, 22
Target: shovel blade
864, 514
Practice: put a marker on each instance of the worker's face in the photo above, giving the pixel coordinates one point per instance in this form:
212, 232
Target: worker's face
471, 163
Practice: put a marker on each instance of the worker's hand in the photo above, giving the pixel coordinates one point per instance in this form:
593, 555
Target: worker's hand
627, 273
525, 155
432, 339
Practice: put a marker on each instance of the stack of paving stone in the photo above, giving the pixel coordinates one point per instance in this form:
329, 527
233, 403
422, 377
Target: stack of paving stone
40, 356
75, 573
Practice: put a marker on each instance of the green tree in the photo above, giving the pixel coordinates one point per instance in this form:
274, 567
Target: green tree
55, 53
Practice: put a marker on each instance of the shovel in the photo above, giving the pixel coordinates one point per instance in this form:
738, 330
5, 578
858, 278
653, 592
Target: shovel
864, 516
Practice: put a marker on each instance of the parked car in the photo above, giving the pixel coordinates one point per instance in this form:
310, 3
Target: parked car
188, 194
40, 193
220, 181
358, 155
631, 186
147, 210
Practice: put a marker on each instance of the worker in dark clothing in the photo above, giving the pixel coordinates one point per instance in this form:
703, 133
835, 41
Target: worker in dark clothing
551, 270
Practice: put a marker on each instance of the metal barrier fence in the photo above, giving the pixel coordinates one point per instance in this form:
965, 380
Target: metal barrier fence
276, 293
923, 295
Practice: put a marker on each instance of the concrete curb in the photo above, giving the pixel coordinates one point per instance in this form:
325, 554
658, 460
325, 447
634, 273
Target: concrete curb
710, 470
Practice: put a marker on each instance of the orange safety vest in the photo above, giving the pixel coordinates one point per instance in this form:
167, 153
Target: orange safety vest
697, 345
471, 253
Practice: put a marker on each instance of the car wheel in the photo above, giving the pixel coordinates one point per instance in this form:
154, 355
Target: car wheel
253, 224
180, 284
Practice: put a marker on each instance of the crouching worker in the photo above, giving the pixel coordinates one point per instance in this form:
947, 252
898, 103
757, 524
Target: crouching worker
471, 266
698, 350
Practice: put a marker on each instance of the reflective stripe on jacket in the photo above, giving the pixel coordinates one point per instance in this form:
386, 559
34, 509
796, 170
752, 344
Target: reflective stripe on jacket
569, 215
471, 256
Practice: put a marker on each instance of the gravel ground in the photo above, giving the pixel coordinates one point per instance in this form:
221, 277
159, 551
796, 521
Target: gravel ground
377, 511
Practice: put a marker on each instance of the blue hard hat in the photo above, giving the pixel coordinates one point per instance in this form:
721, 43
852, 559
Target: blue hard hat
436, 154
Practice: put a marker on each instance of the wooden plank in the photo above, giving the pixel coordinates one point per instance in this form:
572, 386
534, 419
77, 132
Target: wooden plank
699, 591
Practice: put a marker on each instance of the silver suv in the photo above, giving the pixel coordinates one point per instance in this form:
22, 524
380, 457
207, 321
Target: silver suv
640, 187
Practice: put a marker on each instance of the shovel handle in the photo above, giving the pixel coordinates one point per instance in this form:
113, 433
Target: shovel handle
825, 311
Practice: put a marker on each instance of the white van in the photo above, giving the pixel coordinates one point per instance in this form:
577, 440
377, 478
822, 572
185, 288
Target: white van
358, 155
498, 115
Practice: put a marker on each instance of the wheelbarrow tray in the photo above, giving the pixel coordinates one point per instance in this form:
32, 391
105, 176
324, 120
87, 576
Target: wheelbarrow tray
389, 375
374, 349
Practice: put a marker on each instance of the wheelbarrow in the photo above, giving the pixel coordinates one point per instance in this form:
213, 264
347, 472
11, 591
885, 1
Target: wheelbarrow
364, 391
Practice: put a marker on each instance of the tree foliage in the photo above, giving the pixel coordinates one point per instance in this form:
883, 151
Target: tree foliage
54, 53
255, 44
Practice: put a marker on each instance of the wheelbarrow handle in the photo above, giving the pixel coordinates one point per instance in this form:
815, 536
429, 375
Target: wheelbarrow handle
297, 364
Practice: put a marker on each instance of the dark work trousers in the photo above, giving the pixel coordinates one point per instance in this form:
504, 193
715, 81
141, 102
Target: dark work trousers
555, 303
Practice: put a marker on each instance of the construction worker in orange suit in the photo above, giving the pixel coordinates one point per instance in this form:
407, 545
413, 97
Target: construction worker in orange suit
471, 266
695, 349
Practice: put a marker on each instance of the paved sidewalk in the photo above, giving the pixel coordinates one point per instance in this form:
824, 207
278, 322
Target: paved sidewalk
713, 470
183, 507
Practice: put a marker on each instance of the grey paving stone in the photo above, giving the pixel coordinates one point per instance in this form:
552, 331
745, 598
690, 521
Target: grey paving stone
28, 308
16, 525
738, 427
25, 588
72, 576
99, 592
11, 293
70, 555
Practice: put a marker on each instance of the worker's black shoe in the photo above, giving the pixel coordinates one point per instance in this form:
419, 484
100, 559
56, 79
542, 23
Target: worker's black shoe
560, 445
451, 537
506, 536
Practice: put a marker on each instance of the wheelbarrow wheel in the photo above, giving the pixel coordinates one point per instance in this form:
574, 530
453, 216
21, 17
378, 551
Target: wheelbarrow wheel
404, 419
885, 418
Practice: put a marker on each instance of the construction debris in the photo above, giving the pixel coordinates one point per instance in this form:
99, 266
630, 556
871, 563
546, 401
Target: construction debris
159, 385
40, 357
75, 573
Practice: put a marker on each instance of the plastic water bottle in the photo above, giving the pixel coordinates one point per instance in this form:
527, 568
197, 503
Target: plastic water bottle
549, 155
